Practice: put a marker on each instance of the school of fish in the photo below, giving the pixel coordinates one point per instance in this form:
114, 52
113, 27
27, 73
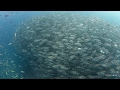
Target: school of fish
68, 45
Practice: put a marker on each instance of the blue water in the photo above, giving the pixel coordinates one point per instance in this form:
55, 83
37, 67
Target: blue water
11, 63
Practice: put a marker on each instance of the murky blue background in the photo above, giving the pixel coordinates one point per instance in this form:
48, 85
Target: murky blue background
11, 64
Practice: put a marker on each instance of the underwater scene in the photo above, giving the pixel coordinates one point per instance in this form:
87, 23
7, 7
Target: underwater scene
59, 44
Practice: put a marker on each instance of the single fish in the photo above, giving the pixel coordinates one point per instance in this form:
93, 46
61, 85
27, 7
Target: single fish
15, 54
22, 71
15, 35
6, 15
12, 71
9, 43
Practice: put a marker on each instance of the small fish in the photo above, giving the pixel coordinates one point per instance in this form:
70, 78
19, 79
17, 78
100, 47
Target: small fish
28, 27
12, 71
12, 61
15, 76
11, 12
14, 66
6, 73
7, 15
7, 63
21, 78
19, 66
19, 57
9, 43
15, 35
2, 72
15, 54
22, 71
